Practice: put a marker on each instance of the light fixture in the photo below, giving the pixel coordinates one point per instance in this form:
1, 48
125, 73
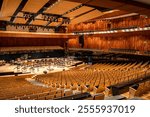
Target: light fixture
145, 28
136, 29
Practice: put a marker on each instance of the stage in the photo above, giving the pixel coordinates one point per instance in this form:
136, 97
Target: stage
39, 66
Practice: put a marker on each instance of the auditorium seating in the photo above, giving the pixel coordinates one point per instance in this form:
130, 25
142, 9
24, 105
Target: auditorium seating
17, 86
139, 90
95, 78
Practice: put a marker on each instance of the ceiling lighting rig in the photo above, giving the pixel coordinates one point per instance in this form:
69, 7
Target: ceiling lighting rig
53, 4
28, 15
35, 27
66, 21
75, 8
49, 17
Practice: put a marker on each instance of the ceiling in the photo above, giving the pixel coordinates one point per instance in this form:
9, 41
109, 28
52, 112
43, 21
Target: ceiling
58, 13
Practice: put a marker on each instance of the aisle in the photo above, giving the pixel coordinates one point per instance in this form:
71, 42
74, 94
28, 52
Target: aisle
34, 82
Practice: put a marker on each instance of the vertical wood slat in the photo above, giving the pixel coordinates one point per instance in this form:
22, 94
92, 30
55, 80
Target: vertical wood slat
135, 21
137, 42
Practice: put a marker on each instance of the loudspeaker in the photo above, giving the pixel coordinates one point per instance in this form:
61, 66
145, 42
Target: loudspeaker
81, 40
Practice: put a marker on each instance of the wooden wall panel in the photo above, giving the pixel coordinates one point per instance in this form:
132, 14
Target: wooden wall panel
73, 43
135, 21
128, 41
8, 38
15, 41
137, 42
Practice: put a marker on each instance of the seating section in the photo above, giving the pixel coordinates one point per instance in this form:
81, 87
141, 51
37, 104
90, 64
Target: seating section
95, 78
16, 86
140, 90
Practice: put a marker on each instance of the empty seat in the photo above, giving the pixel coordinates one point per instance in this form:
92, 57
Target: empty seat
49, 97
99, 96
68, 93
42, 98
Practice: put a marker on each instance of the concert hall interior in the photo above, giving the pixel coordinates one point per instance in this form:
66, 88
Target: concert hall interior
74, 49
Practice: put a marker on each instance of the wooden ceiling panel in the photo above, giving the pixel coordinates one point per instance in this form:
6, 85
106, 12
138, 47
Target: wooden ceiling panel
79, 1
88, 16
61, 7
39, 22
9, 7
20, 14
39, 16
78, 11
113, 14
20, 20
54, 23
130, 8
143, 1
105, 3
34, 5
5, 18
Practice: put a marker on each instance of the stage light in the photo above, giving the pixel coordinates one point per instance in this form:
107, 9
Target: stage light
127, 30
131, 30
145, 28
136, 29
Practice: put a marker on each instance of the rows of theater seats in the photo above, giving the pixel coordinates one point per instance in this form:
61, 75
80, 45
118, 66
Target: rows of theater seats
139, 90
51, 93
55, 94
95, 78
17, 86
